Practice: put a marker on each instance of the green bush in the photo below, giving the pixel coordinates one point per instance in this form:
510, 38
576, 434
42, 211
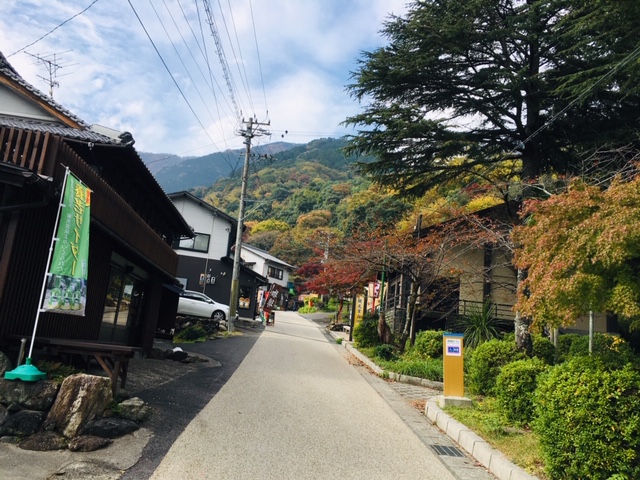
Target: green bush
480, 325
588, 420
515, 387
611, 349
385, 352
190, 334
544, 349
485, 363
366, 332
428, 344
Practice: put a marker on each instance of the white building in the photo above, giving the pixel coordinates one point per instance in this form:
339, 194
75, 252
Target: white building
205, 264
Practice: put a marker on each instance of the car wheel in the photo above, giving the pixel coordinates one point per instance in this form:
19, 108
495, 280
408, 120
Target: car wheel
218, 315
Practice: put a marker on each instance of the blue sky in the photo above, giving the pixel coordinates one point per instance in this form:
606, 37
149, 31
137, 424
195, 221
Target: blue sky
288, 62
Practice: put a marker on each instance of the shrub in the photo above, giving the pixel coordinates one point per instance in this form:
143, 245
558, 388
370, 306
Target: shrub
190, 334
428, 344
479, 325
385, 352
588, 420
611, 349
515, 387
366, 332
485, 363
544, 349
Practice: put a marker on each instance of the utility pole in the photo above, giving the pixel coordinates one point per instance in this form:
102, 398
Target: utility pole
248, 133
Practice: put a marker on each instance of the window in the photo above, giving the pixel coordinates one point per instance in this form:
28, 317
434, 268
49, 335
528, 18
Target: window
275, 272
200, 243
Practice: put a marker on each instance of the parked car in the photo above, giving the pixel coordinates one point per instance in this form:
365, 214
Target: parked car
196, 304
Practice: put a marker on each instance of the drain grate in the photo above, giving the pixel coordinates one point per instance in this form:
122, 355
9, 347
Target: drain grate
447, 451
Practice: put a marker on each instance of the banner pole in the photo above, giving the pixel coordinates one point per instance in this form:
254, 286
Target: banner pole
46, 271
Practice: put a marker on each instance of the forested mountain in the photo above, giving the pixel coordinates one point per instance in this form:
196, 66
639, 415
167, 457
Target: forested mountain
175, 173
296, 196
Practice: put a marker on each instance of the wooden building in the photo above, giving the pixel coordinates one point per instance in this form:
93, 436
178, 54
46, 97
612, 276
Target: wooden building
131, 283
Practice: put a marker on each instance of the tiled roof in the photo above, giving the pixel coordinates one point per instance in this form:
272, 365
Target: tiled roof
56, 129
266, 255
7, 70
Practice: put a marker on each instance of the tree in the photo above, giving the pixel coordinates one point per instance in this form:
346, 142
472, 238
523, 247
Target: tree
467, 85
581, 250
426, 263
339, 278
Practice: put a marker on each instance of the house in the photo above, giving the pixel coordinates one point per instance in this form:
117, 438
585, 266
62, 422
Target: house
131, 283
204, 261
486, 278
275, 270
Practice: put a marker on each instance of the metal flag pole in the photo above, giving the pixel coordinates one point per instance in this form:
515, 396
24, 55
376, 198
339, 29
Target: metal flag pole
29, 372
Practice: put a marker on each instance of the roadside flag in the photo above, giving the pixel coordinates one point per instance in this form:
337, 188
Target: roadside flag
66, 286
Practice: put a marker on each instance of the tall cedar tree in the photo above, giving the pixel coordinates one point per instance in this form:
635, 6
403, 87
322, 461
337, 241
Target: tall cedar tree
464, 85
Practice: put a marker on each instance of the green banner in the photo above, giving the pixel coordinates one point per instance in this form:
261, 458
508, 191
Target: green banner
66, 290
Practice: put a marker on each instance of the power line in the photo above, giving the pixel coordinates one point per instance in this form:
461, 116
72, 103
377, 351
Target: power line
221, 56
54, 29
170, 74
255, 37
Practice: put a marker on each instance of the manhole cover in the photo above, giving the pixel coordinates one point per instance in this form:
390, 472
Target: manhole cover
448, 451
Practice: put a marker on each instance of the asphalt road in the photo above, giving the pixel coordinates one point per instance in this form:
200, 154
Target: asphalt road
295, 408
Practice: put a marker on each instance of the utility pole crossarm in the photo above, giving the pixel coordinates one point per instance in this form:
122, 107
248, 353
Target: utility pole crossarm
248, 133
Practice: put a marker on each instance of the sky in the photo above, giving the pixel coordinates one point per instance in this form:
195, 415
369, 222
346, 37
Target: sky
154, 68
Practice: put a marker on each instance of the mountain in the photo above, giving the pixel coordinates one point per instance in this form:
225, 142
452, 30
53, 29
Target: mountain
175, 173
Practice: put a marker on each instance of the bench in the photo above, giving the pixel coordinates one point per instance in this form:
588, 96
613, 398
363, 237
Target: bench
113, 358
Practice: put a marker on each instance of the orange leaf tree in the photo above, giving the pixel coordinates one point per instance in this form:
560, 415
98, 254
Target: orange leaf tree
581, 250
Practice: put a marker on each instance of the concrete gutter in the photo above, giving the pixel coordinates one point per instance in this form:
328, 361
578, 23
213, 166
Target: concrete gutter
476, 447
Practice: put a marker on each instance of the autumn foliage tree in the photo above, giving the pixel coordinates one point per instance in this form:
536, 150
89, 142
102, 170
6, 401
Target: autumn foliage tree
427, 263
339, 278
581, 250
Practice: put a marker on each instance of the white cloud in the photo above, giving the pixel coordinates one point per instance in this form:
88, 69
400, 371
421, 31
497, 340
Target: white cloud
114, 76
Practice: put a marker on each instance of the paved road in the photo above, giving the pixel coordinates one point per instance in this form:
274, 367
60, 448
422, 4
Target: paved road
296, 409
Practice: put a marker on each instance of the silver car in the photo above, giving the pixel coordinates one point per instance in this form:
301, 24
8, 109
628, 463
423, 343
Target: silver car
196, 304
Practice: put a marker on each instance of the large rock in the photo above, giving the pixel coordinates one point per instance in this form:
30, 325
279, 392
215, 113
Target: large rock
25, 422
81, 399
88, 443
110, 427
38, 395
134, 409
44, 442
5, 364
4, 413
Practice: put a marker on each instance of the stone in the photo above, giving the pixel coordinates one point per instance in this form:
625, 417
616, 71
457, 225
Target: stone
4, 413
81, 399
156, 354
88, 443
38, 395
110, 427
25, 422
134, 409
14, 407
5, 364
178, 356
44, 442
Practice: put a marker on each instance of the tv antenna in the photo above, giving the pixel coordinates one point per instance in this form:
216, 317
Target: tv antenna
52, 65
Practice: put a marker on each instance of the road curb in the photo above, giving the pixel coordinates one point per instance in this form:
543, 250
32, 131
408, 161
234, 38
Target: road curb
475, 446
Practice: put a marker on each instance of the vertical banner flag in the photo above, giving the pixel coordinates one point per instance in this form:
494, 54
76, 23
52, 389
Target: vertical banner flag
66, 290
